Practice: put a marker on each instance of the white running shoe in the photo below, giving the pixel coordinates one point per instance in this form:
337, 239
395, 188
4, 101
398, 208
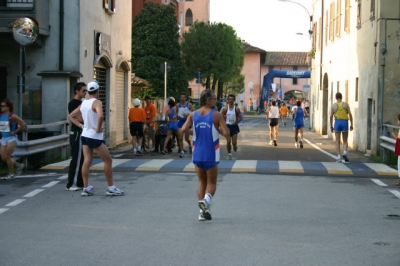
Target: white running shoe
296, 144
89, 191
271, 142
229, 157
72, 188
301, 144
338, 160
9, 177
201, 216
204, 206
115, 192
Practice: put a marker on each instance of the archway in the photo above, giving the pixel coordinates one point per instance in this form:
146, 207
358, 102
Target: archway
280, 74
325, 107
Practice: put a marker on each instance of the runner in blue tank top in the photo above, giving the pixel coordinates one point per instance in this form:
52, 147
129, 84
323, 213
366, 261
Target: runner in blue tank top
206, 123
299, 114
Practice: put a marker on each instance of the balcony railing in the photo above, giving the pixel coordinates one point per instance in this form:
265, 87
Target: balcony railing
17, 4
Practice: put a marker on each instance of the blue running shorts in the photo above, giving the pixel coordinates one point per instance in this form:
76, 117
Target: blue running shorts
205, 165
341, 126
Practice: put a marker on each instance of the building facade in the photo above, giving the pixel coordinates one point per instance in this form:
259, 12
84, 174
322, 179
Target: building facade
78, 41
356, 45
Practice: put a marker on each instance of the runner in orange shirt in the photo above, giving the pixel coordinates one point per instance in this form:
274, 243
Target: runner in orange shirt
284, 113
151, 115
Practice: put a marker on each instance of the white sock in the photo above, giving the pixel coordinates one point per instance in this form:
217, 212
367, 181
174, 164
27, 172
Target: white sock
338, 157
139, 148
208, 197
344, 152
111, 187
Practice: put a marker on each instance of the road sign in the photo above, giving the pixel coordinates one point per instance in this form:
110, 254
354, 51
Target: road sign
251, 90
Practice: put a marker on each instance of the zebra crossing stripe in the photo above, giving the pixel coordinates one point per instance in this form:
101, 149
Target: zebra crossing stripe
334, 168
244, 166
382, 169
153, 165
189, 168
290, 167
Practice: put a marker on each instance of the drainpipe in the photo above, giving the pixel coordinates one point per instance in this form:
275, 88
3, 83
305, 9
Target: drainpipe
61, 38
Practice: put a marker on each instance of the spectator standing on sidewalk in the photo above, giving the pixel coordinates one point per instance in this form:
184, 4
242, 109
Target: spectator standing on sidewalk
206, 124
92, 140
172, 117
397, 150
251, 104
75, 181
341, 111
232, 116
136, 117
184, 109
151, 115
242, 111
273, 114
10, 126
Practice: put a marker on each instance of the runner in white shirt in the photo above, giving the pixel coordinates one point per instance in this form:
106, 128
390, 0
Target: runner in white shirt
273, 113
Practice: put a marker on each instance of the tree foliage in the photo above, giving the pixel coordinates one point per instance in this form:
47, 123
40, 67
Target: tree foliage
155, 40
216, 51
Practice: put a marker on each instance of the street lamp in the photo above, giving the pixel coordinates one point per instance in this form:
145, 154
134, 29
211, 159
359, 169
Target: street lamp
309, 15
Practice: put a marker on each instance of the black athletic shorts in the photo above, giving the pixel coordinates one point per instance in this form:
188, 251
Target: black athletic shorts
92, 143
273, 122
136, 129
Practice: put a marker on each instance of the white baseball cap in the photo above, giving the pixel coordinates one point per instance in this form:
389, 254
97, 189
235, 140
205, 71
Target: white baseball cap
92, 86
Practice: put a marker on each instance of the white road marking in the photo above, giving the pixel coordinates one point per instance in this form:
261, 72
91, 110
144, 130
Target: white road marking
244, 166
290, 166
15, 202
321, 150
153, 165
118, 155
50, 184
2, 210
63, 177
33, 193
395, 192
379, 182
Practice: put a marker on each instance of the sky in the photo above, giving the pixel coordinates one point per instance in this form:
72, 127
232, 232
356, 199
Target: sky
267, 24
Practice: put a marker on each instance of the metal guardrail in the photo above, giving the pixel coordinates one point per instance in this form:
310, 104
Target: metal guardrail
27, 147
387, 142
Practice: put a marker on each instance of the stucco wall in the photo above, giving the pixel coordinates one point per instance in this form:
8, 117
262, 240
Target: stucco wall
357, 55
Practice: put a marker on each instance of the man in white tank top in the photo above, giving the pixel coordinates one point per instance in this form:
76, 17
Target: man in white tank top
92, 139
273, 114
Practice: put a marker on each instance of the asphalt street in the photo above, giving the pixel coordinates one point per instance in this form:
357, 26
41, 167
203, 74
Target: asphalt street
258, 219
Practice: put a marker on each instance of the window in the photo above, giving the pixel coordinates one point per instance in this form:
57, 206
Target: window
332, 22
372, 14
356, 90
295, 79
17, 4
321, 27
189, 18
358, 14
109, 6
347, 17
338, 17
